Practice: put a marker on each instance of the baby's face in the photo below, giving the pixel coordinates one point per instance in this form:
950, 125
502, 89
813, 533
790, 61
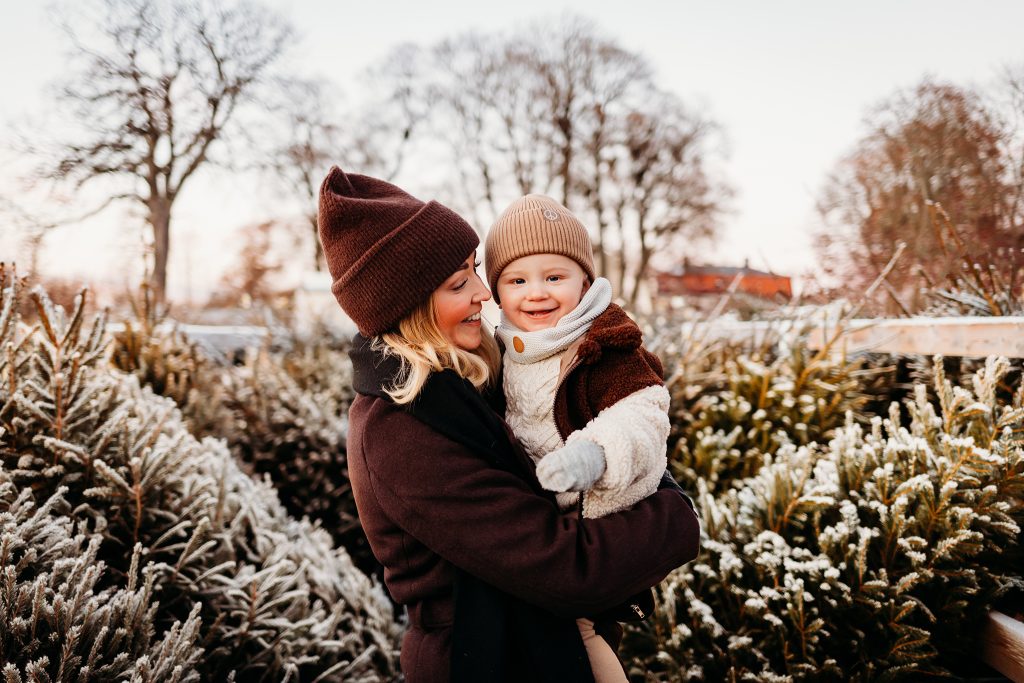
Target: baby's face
537, 290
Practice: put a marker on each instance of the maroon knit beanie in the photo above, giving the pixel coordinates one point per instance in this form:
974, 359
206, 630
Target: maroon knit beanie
386, 250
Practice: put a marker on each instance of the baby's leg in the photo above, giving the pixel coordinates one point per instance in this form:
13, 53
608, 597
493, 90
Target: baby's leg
603, 661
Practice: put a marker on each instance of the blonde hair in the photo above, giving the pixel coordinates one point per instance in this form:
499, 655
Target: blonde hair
423, 349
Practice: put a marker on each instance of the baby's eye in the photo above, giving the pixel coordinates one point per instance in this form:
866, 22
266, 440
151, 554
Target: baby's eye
554, 278
517, 281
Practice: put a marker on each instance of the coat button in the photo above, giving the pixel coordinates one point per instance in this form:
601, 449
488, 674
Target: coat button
518, 344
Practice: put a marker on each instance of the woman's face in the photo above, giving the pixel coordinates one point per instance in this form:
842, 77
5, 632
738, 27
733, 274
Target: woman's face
457, 305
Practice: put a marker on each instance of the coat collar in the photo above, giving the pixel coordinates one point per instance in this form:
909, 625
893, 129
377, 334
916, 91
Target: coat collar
612, 330
372, 371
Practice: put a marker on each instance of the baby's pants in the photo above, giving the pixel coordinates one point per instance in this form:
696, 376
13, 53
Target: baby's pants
603, 661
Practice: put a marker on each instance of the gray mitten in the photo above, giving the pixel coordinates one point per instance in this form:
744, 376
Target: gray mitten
573, 467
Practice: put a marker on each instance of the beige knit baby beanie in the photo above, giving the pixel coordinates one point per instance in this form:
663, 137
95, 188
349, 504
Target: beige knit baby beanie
535, 224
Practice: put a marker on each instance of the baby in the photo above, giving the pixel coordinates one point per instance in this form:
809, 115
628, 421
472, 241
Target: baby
583, 395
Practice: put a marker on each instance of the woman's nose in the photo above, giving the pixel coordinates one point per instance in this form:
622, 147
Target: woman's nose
482, 294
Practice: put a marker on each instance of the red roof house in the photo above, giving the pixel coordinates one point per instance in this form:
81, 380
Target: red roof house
690, 280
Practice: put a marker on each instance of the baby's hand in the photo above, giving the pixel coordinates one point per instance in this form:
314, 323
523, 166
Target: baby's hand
573, 467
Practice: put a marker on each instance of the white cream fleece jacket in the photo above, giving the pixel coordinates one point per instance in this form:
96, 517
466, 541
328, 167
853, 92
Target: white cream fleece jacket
633, 433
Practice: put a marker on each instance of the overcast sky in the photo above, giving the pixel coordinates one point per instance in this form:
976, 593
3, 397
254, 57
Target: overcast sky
789, 82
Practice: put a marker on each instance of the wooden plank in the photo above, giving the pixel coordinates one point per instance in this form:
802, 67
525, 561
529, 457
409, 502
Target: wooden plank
967, 336
1002, 643
978, 337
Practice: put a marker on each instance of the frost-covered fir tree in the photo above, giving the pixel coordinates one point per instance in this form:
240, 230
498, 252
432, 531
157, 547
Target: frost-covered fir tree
282, 413
735, 403
196, 564
64, 617
871, 558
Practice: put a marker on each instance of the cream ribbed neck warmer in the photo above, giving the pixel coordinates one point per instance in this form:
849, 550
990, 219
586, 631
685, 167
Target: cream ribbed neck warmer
529, 347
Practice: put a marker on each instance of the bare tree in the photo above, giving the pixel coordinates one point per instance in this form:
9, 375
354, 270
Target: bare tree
1013, 86
582, 75
467, 81
522, 112
662, 189
157, 83
934, 146
613, 83
559, 109
300, 161
319, 130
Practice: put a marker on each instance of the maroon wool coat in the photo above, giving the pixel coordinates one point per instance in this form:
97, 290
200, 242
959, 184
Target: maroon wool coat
430, 505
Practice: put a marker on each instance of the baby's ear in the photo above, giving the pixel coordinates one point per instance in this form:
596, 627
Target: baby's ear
586, 288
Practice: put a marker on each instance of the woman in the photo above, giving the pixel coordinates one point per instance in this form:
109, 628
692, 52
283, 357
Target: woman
491, 573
